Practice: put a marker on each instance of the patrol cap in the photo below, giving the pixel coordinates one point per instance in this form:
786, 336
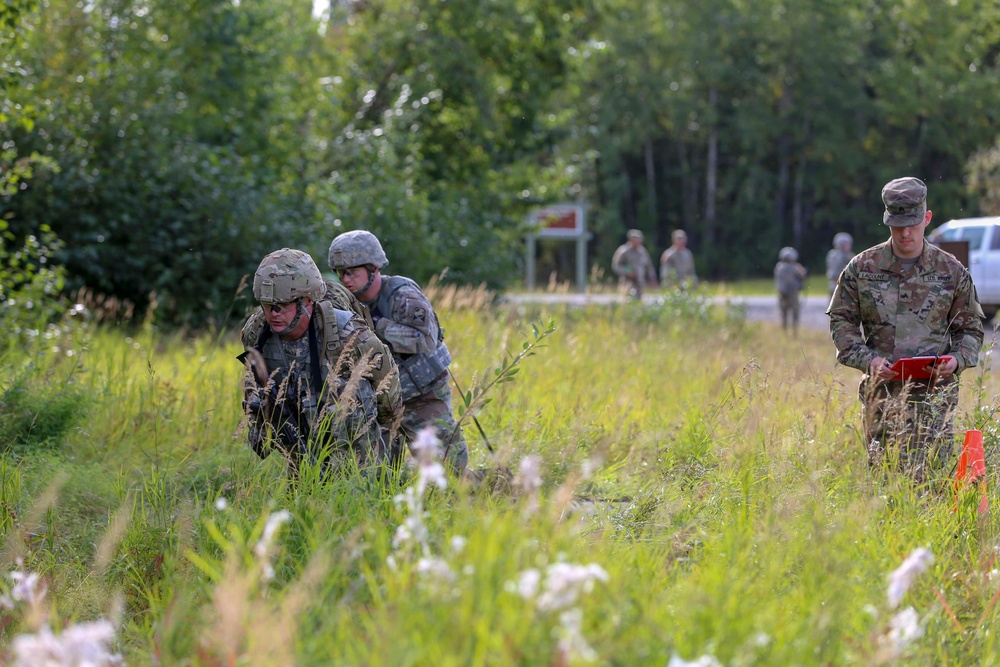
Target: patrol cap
905, 202
679, 234
634, 234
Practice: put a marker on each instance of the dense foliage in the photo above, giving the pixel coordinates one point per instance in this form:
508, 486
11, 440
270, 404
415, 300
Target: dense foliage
171, 144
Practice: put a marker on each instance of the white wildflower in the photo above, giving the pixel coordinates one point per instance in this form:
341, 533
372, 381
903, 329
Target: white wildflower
703, 661
529, 474
904, 628
527, 583
901, 578
80, 645
427, 454
435, 569
263, 546
564, 582
221, 503
28, 587
457, 544
572, 644
426, 446
411, 531
431, 473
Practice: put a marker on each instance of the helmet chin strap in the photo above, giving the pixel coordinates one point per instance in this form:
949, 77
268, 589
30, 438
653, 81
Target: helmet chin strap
300, 310
371, 279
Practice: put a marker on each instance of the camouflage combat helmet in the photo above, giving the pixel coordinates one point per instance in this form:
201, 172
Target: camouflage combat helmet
356, 248
788, 254
286, 275
842, 238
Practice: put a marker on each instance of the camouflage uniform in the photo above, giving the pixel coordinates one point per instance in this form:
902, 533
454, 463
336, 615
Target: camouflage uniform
789, 277
334, 415
634, 265
882, 309
837, 258
677, 264
406, 322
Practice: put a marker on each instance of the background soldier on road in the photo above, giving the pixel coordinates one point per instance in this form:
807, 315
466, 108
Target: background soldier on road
632, 262
406, 322
837, 258
677, 263
320, 383
789, 277
907, 298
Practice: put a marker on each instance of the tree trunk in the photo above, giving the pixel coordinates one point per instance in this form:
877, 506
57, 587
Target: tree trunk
711, 172
651, 182
784, 160
798, 219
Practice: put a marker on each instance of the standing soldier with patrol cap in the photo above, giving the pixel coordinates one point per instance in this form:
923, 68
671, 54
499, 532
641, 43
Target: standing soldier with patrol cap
837, 258
632, 262
320, 383
406, 322
907, 298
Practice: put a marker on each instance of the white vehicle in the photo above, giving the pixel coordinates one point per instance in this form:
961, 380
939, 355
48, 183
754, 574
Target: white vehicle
983, 237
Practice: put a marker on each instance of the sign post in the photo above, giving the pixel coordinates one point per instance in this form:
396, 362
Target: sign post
559, 221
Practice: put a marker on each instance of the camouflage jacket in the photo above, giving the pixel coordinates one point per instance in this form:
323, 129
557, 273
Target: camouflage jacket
789, 278
334, 338
628, 260
407, 323
836, 260
880, 309
677, 266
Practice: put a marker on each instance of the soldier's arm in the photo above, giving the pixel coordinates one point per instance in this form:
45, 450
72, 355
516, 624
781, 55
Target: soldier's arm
845, 323
966, 324
616, 262
668, 273
412, 329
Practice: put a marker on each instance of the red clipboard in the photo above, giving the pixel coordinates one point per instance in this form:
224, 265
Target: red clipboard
915, 368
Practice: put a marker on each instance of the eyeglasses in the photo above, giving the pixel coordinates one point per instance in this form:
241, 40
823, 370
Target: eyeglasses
278, 307
352, 270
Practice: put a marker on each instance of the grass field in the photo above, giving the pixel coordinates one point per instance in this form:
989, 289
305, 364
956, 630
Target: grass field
704, 496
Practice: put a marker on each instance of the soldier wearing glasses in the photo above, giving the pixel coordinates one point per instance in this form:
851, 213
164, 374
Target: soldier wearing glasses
406, 322
320, 384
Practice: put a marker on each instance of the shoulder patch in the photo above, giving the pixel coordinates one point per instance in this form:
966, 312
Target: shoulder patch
879, 277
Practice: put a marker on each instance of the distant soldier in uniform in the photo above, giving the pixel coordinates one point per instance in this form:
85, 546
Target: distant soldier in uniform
632, 262
320, 384
406, 322
677, 263
907, 298
789, 278
837, 258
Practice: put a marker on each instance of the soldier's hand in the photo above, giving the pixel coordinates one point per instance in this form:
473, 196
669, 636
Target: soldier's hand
880, 369
943, 368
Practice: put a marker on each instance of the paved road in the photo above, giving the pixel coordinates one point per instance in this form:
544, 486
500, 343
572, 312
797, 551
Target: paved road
758, 308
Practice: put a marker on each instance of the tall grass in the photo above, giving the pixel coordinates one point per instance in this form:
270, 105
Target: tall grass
712, 469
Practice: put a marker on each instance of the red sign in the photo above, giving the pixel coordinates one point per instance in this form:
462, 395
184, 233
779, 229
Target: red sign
558, 221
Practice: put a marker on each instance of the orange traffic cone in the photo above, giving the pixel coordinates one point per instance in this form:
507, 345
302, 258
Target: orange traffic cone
972, 467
